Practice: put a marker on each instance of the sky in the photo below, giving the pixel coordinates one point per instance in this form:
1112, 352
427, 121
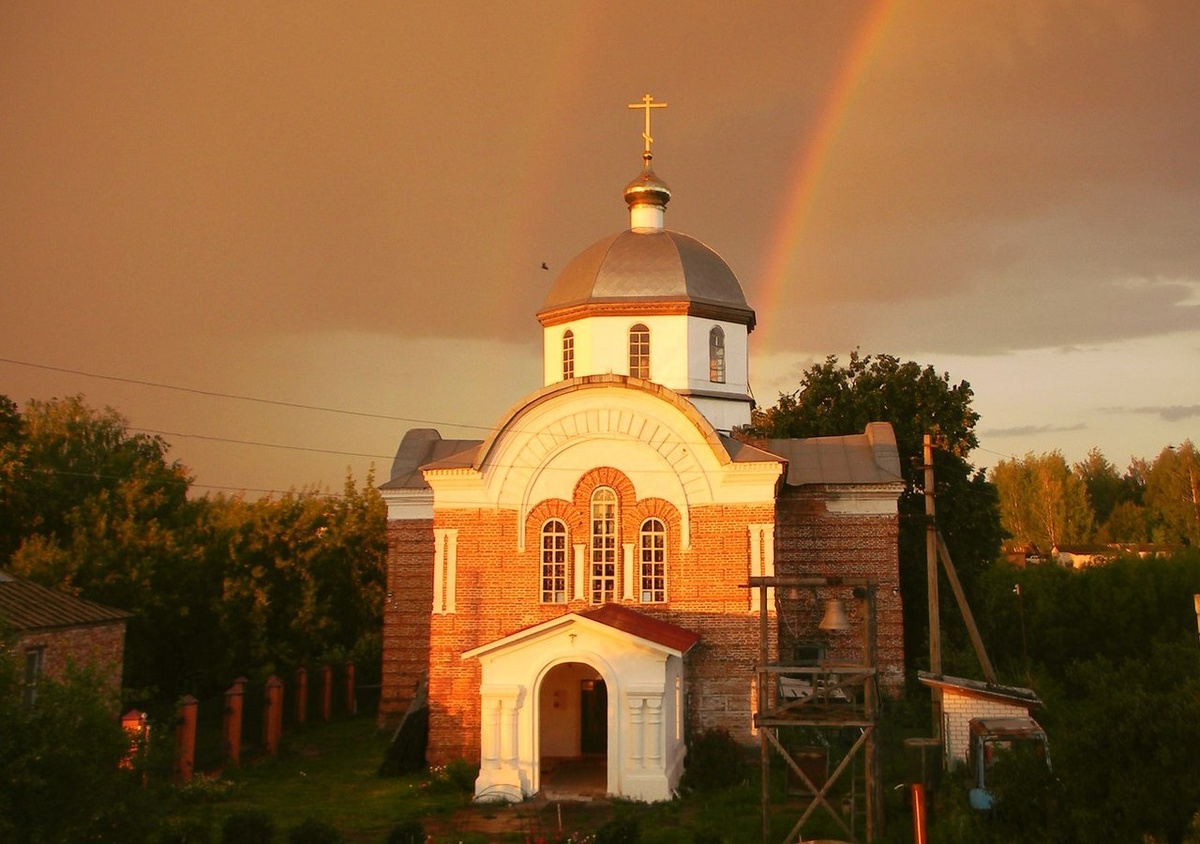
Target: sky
281, 234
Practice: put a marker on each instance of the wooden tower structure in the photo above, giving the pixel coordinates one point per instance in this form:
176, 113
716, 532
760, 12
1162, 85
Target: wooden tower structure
826, 697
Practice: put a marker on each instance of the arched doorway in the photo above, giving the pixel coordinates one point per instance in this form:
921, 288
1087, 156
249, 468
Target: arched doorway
573, 731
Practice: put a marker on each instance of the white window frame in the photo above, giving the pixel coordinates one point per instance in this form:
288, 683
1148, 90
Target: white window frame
554, 551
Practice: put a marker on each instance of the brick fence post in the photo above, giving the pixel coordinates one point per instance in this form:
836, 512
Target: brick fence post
301, 696
233, 721
351, 702
326, 692
273, 714
185, 739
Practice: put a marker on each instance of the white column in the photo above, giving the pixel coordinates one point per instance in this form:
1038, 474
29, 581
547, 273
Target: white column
627, 587
500, 774
637, 738
580, 571
762, 561
490, 740
654, 733
445, 569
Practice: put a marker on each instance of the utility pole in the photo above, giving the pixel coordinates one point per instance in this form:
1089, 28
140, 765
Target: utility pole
931, 576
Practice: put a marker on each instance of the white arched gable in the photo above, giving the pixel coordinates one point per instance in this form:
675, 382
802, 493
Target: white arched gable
658, 440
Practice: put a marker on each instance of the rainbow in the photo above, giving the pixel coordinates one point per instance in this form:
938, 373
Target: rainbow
783, 256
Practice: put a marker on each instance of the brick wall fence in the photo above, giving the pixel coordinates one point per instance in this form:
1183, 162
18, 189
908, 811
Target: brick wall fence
250, 718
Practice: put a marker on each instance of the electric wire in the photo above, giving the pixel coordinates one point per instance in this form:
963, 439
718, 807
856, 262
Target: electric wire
238, 397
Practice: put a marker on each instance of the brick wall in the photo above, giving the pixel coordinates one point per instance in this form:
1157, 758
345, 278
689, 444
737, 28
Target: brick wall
498, 591
812, 541
100, 647
957, 712
406, 611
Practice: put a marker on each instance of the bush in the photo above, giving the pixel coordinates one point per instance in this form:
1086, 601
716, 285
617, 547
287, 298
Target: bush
619, 831
62, 775
462, 775
457, 777
313, 831
714, 762
407, 832
184, 831
252, 826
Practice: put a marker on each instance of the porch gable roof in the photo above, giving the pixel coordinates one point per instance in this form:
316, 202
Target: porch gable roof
651, 632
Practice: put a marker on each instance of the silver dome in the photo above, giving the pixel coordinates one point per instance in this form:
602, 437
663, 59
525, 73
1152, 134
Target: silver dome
649, 266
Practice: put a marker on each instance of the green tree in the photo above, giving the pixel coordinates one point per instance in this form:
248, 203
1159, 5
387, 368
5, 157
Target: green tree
1113, 652
835, 400
11, 465
1173, 494
61, 765
217, 586
104, 515
65, 453
1042, 501
1102, 481
304, 576
1128, 522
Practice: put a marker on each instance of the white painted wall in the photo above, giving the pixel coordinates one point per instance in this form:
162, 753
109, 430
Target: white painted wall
645, 742
678, 352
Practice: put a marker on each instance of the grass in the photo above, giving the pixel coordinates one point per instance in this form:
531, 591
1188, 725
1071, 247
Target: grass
328, 772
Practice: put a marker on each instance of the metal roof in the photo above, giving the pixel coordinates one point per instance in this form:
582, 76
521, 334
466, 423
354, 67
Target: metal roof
423, 446
644, 627
648, 265
978, 688
867, 458
27, 606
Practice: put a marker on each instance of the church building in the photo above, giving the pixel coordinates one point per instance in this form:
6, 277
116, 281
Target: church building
576, 583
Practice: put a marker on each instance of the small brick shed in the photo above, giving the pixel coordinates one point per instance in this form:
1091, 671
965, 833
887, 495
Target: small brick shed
964, 700
53, 630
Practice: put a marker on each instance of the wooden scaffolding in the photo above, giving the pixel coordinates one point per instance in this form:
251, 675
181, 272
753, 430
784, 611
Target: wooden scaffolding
826, 697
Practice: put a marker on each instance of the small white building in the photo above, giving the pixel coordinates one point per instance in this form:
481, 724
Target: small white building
966, 700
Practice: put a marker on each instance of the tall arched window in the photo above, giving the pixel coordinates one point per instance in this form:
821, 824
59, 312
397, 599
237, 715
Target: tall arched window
568, 357
716, 355
604, 545
554, 562
654, 562
639, 352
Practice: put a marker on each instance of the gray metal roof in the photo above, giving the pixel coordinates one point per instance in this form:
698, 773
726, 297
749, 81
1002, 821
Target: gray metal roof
867, 458
27, 606
979, 688
648, 265
422, 446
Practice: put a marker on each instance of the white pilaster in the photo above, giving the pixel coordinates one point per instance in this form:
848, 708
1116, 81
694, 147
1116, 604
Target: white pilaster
580, 570
762, 561
445, 569
628, 592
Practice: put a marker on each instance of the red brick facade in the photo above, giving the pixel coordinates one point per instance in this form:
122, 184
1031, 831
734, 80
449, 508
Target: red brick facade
812, 541
497, 591
98, 647
489, 561
406, 614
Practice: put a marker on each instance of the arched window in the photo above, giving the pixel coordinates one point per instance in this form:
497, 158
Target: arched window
716, 355
654, 562
568, 357
639, 352
604, 545
554, 562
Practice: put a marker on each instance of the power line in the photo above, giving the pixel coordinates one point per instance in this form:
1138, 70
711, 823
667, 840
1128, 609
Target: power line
687, 441
217, 394
261, 444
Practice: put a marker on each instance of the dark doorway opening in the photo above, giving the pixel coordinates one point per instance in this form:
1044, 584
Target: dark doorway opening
593, 716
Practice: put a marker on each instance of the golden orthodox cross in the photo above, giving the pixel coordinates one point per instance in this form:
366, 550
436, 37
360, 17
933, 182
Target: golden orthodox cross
646, 104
